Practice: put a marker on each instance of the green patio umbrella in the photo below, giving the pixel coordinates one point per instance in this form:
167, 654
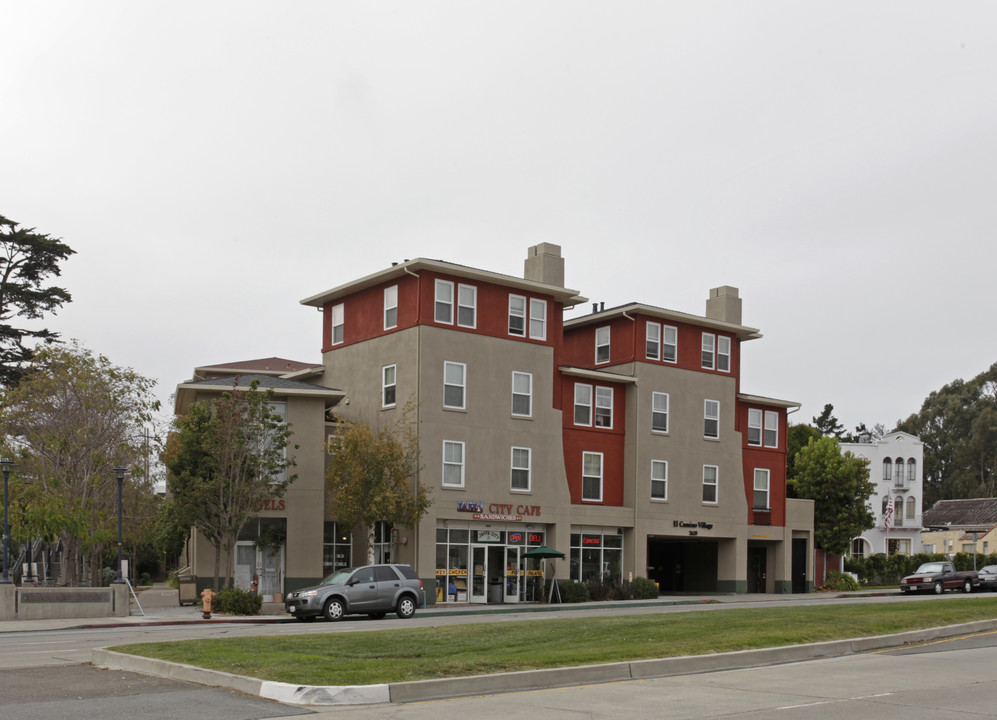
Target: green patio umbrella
543, 552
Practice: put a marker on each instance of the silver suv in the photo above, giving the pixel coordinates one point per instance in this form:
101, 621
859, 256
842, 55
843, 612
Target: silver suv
374, 590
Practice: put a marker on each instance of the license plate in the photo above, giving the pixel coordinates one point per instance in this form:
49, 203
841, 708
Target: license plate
290, 608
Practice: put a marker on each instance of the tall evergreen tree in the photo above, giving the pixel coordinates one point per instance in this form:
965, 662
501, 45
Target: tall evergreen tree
827, 424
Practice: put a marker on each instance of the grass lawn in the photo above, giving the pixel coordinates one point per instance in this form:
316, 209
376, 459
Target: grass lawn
418, 653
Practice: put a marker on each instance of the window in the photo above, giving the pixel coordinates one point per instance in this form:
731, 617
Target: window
604, 407
520, 469
522, 394
592, 476
652, 344
669, 343
723, 354
443, 312
709, 342
911, 508
388, 386
453, 463
911, 470
754, 427
659, 480
602, 344
390, 307
761, 489
898, 478
886, 505
710, 484
887, 469
338, 324
467, 306
659, 412
453, 385
711, 413
517, 315
771, 429
583, 404
538, 319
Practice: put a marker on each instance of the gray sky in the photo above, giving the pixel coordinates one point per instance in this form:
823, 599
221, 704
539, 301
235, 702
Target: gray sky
213, 163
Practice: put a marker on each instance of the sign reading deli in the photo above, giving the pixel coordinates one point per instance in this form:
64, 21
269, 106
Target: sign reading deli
498, 511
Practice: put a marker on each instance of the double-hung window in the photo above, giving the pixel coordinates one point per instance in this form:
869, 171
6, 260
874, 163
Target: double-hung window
592, 476
453, 463
583, 404
659, 479
454, 384
711, 417
467, 306
388, 386
520, 478
669, 343
761, 501
754, 426
652, 342
771, 429
710, 473
522, 394
602, 344
659, 412
723, 353
604, 407
538, 319
390, 307
709, 350
443, 308
517, 315
338, 324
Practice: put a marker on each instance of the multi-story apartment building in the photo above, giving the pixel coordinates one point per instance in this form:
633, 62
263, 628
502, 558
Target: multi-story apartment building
620, 437
896, 464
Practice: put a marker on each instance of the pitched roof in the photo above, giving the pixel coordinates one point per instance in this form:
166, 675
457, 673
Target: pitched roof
971, 513
186, 392
268, 366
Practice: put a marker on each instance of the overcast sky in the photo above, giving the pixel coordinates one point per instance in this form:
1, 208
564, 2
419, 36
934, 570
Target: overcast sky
213, 163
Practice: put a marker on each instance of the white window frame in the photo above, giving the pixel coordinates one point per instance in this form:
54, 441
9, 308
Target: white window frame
518, 392
443, 303
467, 300
659, 480
709, 355
669, 343
754, 427
715, 484
709, 417
519, 313
602, 337
771, 429
462, 384
656, 400
599, 477
587, 404
652, 341
457, 463
390, 307
385, 385
762, 484
723, 353
538, 319
337, 320
603, 402
527, 469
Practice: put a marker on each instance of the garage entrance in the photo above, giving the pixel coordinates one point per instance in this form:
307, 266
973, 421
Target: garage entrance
682, 565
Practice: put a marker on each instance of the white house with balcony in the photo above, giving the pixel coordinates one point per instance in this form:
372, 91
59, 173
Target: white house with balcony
896, 466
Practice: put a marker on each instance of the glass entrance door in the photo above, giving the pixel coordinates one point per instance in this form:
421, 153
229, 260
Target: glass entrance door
479, 574
514, 575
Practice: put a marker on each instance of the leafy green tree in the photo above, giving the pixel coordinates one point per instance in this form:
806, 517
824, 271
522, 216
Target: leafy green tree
827, 424
27, 259
796, 439
226, 458
838, 483
373, 475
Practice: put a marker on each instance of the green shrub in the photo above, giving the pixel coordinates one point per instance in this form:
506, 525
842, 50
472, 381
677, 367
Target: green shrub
109, 575
571, 591
600, 590
839, 581
235, 601
145, 579
644, 589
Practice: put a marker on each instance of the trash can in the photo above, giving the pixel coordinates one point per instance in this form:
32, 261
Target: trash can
188, 590
494, 590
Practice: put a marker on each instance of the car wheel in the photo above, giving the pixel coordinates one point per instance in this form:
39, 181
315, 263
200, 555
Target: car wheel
406, 607
334, 610
377, 616
938, 588
967, 587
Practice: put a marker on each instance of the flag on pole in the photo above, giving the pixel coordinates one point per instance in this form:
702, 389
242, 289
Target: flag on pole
888, 514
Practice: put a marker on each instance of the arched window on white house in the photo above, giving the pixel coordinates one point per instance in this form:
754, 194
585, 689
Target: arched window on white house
898, 476
911, 508
911, 470
887, 469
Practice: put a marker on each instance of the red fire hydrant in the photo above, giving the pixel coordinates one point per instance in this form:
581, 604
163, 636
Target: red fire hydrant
206, 596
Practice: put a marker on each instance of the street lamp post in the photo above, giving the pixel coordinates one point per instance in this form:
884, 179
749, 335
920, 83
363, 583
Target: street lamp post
6, 464
120, 472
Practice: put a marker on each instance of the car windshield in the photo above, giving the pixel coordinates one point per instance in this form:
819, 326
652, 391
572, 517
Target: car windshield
930, 568
989, 570
338, 578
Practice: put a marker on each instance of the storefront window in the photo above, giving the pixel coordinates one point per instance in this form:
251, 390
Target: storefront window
597, 555
337, 548
501, 549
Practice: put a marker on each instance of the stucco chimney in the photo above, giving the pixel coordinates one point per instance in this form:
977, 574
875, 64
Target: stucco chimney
544, 264
724, 305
